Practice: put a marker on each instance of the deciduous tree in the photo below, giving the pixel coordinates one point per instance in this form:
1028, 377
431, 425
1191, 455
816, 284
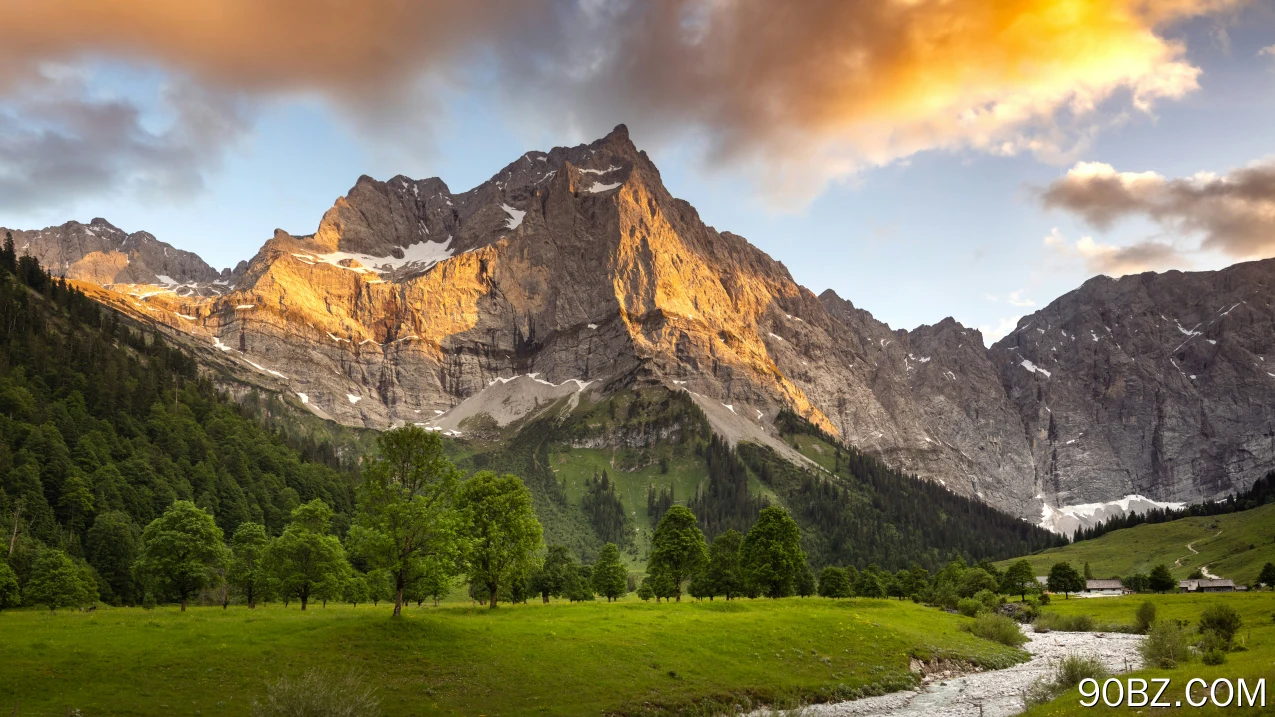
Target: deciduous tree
56, 581
723, 574
610, 577
1160, 580
1064, 579
501, 532
180, 551
1019, 578
246, 572
556, 574
677, 548
833, 582
9, 595
307, 560
771, 554
111, 548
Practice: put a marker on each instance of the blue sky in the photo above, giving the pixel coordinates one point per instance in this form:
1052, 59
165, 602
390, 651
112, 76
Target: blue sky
945, 230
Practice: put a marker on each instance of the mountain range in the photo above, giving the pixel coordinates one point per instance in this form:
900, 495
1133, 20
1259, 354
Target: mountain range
576, 271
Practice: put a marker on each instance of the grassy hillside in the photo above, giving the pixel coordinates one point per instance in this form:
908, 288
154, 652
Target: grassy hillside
560, 659
1235, 545
1257, 635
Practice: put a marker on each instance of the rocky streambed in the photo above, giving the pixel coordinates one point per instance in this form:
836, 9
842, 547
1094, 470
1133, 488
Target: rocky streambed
997, 693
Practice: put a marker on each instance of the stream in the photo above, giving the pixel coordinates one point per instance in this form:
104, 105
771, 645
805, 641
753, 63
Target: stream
997, 693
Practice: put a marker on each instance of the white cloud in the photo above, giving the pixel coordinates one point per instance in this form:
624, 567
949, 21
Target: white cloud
992, 334
1112, 259
1013, 298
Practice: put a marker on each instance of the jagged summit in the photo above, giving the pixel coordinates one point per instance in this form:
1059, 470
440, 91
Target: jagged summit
576, 270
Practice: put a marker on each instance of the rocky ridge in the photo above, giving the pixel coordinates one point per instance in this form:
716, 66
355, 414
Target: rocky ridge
576, 270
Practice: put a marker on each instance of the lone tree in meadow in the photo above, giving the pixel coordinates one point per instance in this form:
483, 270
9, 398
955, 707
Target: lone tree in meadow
1161, 580
246, 572
677, 549
723, 573
771, 554
56, 581
405, 509
1019, 578
181, 551
306, 560
501, 532
556, 574
1064, 579
610, 577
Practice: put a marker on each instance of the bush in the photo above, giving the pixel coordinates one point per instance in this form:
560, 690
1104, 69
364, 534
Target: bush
1145, 616
1048, 621
1214, 657
998, 628
990, 600
318, 693
969, 607
1222, 620
1166, 645
1070, 672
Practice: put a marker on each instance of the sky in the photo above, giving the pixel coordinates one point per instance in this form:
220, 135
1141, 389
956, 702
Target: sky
922, 158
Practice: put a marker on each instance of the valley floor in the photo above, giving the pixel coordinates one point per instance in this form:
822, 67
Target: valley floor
625, 658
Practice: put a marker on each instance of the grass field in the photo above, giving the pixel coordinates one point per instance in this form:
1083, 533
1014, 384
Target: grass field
1233, 546
1257, 661
561, 659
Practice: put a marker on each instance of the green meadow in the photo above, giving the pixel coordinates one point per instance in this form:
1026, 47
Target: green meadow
1235, 545
1255, 661
625, 658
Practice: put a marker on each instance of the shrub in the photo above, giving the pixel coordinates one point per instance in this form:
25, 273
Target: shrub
1214, 657
998, 628
969, 607
1068, 673
1048, 621
1223, 620
318, 693
1166, 645
1145, 616
990, 600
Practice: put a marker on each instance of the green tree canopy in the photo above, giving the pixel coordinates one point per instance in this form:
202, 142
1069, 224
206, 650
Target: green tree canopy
556, 574
677, 549
246, 572
111, 548
181, 551
869, 585
1267, 576
723, 574
9, 595
610, 577
833, 582
1160, 579
1064, 579
306, 560
771, 554
501, 532
405, 507
1019, 578
56, 581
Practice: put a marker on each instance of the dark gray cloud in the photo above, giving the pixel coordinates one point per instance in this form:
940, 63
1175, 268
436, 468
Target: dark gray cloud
1233, 213
59, 143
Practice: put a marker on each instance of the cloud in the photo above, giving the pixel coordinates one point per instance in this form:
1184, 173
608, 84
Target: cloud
1115, 260
802, 93
1267, 51
59, 142
1233, 213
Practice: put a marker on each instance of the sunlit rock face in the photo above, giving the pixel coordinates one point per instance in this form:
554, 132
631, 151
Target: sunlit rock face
577, 271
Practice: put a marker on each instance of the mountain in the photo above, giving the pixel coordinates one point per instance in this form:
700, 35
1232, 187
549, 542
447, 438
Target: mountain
101, 253
575, 273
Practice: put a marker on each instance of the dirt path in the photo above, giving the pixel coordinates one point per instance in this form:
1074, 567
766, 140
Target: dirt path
998, 693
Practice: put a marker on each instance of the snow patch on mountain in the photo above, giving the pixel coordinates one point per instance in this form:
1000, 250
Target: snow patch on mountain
1066, 520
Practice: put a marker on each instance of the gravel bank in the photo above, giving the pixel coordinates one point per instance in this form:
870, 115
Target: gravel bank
990, 694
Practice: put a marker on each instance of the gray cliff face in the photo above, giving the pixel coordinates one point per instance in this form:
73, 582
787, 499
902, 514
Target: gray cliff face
1161, 385
101, 253
578, 271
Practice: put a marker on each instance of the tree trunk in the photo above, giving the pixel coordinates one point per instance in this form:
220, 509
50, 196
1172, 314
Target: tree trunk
493, 596
545, 597
304, 599
183, 603
398, 600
